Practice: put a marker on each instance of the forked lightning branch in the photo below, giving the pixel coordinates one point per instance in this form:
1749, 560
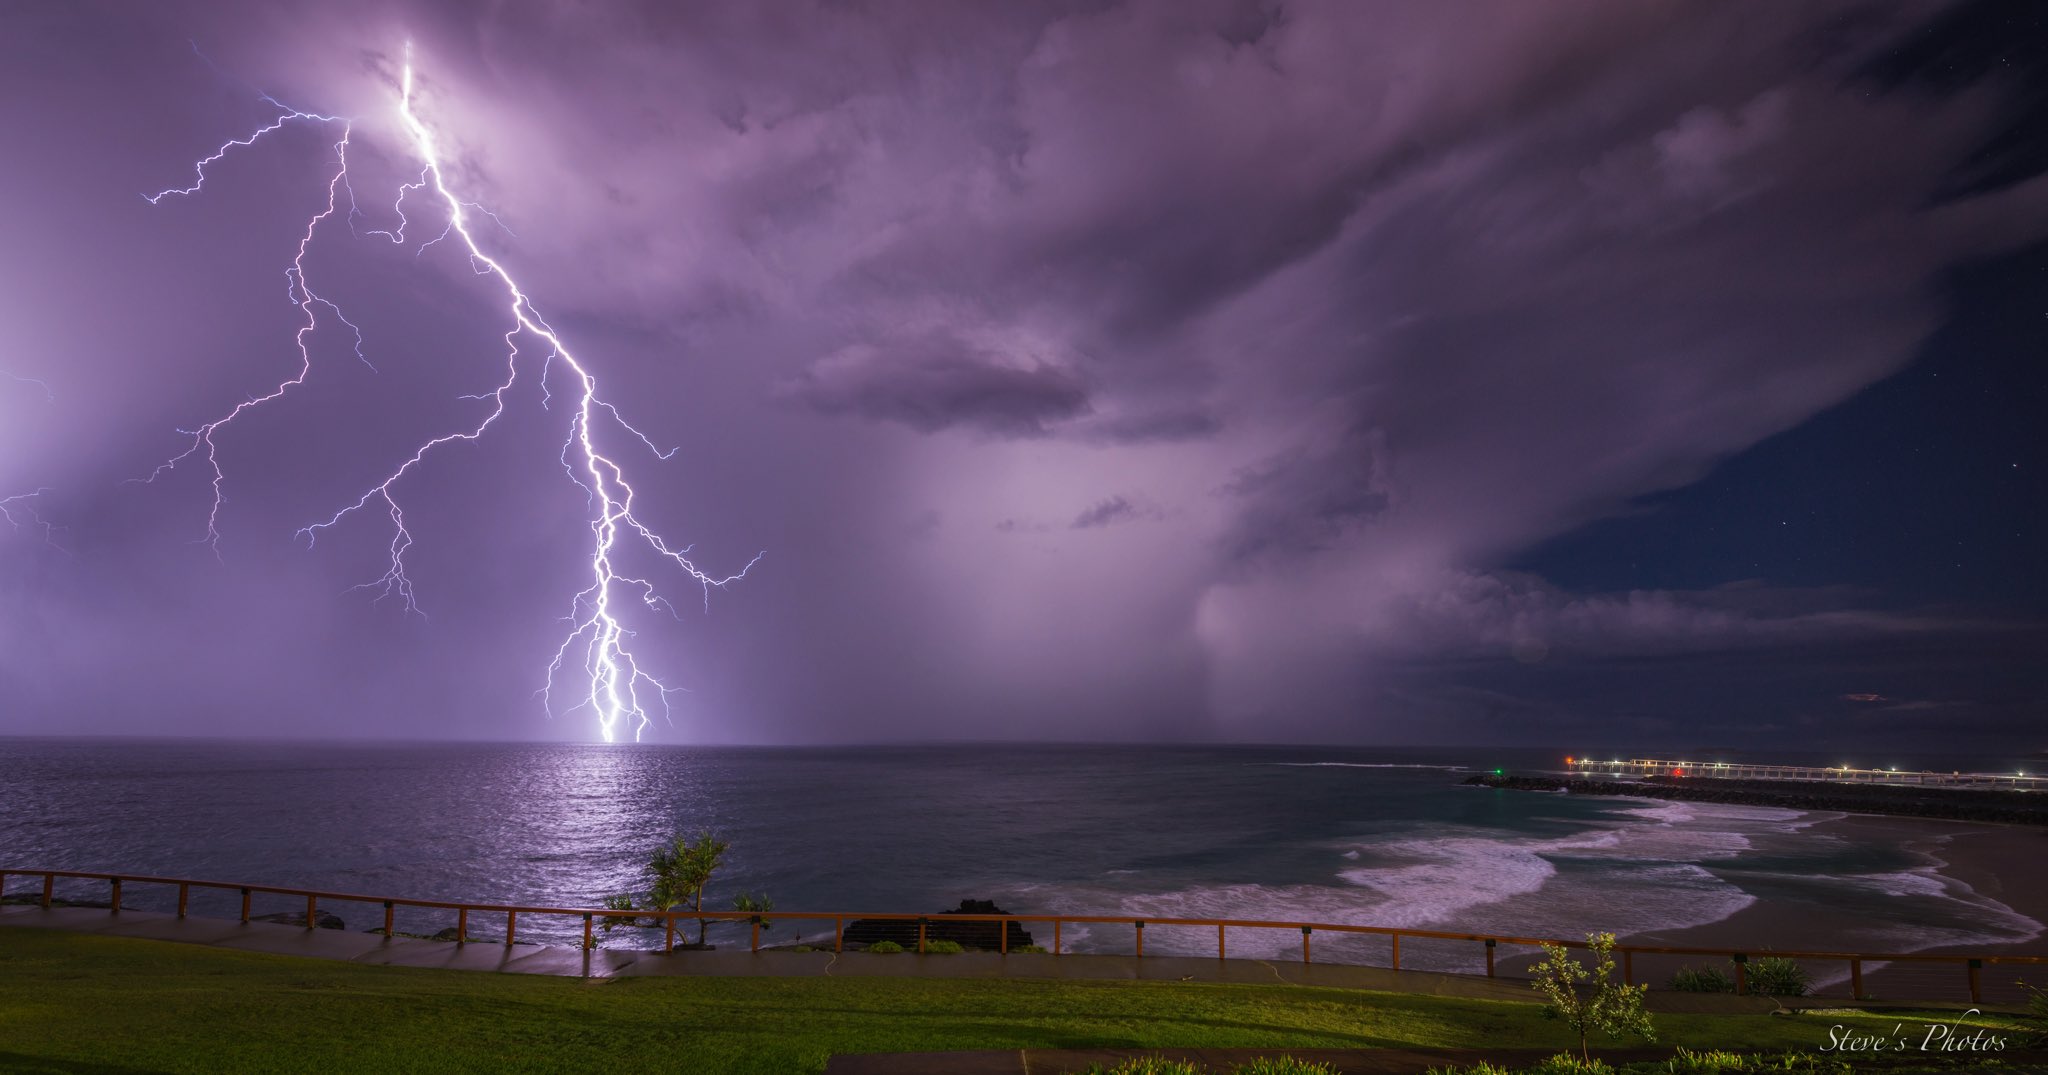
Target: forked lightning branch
596, 655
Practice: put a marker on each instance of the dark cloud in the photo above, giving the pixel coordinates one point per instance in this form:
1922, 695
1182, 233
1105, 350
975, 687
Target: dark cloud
1309, 498
938, 381
1115, 509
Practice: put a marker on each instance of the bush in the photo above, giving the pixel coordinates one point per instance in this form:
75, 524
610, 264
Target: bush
1567, 1064
1702, 980
943, 948
803, 948
1777, 976
1716, 1062
1147, 1065
1283, 1065
885, 948
611, 922
1712, 1062
1028, 950
1481, 1068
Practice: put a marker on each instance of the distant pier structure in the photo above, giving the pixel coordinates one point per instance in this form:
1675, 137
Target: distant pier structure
1840, 774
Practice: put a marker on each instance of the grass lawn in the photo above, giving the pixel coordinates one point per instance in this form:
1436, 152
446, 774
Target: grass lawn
82, 1003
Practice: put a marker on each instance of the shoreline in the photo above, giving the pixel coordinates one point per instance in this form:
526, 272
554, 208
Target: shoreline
1999, 862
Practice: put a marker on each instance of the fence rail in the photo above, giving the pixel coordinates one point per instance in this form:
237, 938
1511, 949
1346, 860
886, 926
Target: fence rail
593, 917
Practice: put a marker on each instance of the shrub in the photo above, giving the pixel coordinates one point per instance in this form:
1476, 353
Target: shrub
1147, 1065
2036, 1019
885, 948
1481, 1068
1716, 1062
1567, 1064
943, 948
1283, 1065
1606, 1005
1028, 950
613, 921
748, 902
1712, 1062
1777, 976
1702, 980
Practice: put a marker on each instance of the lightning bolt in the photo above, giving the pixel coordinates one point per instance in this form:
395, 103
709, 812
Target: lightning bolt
20, 512
614, 685
48, 395
20, 509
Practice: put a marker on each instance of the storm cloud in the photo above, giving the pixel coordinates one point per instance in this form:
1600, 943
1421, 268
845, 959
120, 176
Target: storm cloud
1129, 369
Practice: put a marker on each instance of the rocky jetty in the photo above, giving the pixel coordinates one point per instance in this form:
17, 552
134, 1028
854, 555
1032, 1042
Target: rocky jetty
1898, 800
862, 932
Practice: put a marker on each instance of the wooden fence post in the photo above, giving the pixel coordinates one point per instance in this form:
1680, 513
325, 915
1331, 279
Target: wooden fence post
184, 896
245, 906
387, 920
49, 883
1397, 952
1489, 957
1219, 940
1141, 939
1976, 984
1055, 931
511, 922
312, 912
1856, 979
839, 933
117, 895
462, 925
1305, 930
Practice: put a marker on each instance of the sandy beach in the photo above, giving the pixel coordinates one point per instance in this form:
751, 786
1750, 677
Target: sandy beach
2004, 863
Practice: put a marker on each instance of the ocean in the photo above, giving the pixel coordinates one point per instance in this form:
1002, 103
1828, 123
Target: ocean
1359, 835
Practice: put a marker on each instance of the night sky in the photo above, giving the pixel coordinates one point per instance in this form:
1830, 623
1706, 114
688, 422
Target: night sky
1583, 374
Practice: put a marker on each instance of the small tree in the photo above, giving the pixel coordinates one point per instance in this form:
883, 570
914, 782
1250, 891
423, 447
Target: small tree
1605, 1005
681, 869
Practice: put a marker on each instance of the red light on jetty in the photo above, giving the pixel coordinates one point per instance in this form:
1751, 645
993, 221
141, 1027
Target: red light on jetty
1568, 761
1677, 772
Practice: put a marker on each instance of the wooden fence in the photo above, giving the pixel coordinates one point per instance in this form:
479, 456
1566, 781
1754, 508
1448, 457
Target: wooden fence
591, 918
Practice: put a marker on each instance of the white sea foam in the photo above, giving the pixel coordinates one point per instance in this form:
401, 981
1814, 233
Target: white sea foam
1650, 866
